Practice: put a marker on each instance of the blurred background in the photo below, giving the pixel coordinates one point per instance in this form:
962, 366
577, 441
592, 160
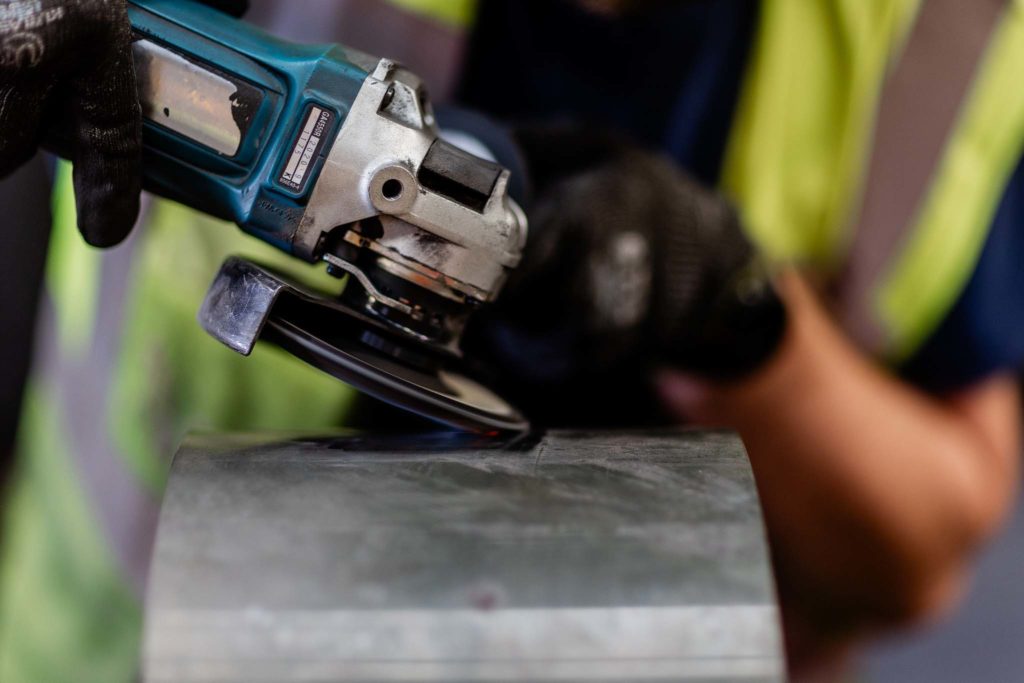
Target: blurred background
982, 640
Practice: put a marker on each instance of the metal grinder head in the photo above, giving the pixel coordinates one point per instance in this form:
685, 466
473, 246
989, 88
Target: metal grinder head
248, 302
425, 234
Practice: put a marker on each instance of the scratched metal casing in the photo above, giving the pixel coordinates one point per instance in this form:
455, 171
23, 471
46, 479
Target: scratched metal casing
450, 557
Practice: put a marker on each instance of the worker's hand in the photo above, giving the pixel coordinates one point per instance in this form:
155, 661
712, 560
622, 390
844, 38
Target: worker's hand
72, 60
630, 265
67, 65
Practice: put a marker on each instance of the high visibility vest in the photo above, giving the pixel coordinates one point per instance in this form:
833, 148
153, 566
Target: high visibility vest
123, 370
840, 104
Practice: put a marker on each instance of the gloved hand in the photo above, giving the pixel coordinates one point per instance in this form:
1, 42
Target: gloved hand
60, 56
630, 265
70, 61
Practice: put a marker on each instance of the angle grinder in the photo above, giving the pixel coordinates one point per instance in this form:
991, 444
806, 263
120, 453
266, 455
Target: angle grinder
333, 157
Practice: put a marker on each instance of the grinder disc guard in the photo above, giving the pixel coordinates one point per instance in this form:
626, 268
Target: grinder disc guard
249, 302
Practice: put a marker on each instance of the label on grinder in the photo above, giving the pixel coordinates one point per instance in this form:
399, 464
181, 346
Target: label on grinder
306, 149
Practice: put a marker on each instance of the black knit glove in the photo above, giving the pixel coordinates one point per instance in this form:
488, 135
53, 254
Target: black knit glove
60, 57
630, 265
68, 63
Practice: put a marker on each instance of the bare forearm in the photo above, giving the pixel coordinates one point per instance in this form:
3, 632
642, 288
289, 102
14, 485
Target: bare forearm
875, 493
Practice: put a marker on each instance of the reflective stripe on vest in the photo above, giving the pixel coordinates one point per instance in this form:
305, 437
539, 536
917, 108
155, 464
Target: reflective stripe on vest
803, 123
927, 276
800, 162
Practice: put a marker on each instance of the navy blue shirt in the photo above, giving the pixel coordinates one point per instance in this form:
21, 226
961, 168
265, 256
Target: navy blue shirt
984, 331
670, 78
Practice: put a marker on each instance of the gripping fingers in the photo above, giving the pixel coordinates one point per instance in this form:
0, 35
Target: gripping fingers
108, 145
